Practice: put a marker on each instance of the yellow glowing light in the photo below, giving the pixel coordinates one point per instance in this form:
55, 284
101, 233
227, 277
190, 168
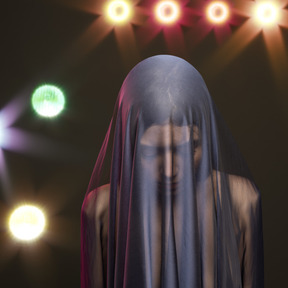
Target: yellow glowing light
217, 12
167, 12
118, 11
27, 222
267, 13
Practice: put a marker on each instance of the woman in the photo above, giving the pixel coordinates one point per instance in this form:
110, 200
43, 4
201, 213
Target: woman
181, 209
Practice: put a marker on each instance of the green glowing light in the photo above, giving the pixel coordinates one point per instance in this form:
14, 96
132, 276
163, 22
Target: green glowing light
48, 100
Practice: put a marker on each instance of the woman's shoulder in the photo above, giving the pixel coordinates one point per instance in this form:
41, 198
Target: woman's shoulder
245, 196
96, 202
242, 190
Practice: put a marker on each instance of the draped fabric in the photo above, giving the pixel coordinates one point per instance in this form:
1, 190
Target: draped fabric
171, 202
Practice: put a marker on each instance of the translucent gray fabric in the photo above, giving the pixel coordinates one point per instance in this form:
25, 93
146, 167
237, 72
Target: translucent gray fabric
179, 208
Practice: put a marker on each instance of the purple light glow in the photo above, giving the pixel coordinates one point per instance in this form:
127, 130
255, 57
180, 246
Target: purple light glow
24, 142
12, 111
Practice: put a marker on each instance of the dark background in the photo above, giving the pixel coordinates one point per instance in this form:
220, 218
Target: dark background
48, 42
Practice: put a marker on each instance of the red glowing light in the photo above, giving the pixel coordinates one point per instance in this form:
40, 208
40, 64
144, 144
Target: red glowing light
217, 12
167, 12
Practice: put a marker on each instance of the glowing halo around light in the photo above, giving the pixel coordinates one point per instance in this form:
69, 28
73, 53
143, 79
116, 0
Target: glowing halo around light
48, 100
217, 12
118, 11
267, 13
167, 12
27, 222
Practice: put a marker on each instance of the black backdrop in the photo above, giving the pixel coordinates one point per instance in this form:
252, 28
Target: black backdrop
38, 46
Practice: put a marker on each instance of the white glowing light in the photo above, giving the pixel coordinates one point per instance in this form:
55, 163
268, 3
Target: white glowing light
118, 11
217, 12
167, 12
27, 222
267, 13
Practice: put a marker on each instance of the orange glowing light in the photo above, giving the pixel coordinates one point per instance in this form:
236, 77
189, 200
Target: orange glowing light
118, 11
217, 12
167, 12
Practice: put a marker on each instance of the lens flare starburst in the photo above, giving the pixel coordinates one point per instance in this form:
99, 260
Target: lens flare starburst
265, 18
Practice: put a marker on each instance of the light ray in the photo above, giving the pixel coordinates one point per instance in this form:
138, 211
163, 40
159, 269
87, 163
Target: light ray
103, 26
13, 110
24, 142
127, 46
216, 16
89, 40
8, 116
245, 34
278, 56
126, 39
171, 31
283, 19
231, 49
86, 6
175, 41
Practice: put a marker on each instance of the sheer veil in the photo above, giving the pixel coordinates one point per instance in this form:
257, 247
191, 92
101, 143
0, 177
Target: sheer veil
171, 202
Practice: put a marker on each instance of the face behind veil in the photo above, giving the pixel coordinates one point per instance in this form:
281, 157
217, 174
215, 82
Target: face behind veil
180, 208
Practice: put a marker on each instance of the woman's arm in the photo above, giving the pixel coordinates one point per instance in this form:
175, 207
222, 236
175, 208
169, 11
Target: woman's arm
94, 228
248, 210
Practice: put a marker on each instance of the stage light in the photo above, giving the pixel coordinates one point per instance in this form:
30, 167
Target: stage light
167, 12
27, 222
118, 11
217, 12
267, 13
48, 100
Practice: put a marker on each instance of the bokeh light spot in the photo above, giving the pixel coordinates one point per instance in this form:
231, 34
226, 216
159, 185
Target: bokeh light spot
267, 13
167, 12
27, 222
118, 11
217, 12
48, 100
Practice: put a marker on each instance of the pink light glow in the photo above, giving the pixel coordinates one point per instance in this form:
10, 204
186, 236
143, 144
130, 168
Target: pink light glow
217, 12
167, 12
